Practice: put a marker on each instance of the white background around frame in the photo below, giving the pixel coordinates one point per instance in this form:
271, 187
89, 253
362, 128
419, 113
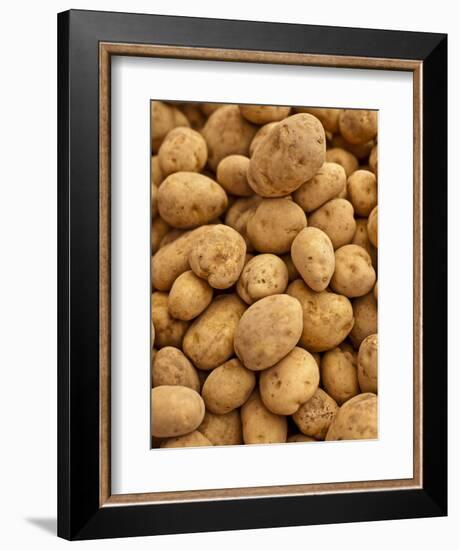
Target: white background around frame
28, 278
137, 468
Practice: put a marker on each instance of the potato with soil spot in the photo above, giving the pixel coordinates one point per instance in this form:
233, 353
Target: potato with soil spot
326, 184
354, 274
362, 191
367, 364
171, 368
358, 125
356, 419
189, 296
262, 132
336, 219
168, 331
339, 376
314, 417
259, 425
182, 150
263, 275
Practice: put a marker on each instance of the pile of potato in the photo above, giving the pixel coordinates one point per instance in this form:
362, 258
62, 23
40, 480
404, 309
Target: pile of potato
264, 274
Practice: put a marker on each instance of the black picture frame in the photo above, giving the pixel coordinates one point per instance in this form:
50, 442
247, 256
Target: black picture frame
80, 515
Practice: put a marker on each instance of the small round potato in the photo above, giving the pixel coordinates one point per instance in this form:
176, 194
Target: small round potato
228, 387
274, 225
193, 439
314, 417
268, 331
290, 383
168, 331
262, 132
259, 425
290, 154
342, 157
314, 258
164, 118
263, 275
299, 438
232, 175
182, 150
354, 274
327, 317
362, 191
367, 364
238, 215
209, 340
339, 376
175, 411
366, 318
372, 227
222, 429
187, 199
189, 296
361, 239
262, 114
327, 183
356, 419
336, 219
218, 256
172, 368
373, 160
328, 117
358, 126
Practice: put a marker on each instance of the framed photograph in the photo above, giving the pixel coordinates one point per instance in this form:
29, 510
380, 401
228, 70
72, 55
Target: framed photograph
252, 275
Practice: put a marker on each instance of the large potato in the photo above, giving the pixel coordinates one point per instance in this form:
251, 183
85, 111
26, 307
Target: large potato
193, 439
290, 154
168, 331
342, 157
228, 387
172, 368
327, 317
175, 411
274, 224
328, 117
366, 318
189, 296
356, 419
336, 219
367, 364
314, 258
259, 425
232, 175
262, 114
164, 118
267, 331
372, 226
222, 429
314, 417
339, 376
187, 199
325, 185
362, 191
358, 125
209, 340
263, 275
290, 383
182, 150
354, 274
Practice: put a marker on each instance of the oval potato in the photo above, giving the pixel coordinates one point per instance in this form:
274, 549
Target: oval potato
356, 419
259, 425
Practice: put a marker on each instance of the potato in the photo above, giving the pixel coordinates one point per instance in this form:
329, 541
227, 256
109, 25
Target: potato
328, 117
168, 331
164, 118
189, 296
367, 364
262, 114
218, 256
339, 376
366, 318
314, 417
373, 160
292, 270
238, 215
209, 108
299, 438
228, 387
336, 219
290, 383
227, 132
327, 317
268, 331
314, 258
154, 200
187, 199
348, 349
274, 224
259, 425
361, 238
357, 125
232, 175
193, 439
359, 150
261, 133
159, 229
172, 235
354, 275
209, 340
290, 154
342, 157
155, 171
372, 226
326, 184
175, 411
375, 290
356, 419
222, 429
263, 275
182, 150
172, 368
194, 115
362, 191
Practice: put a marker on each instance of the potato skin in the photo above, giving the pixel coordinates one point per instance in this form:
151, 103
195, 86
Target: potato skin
367, 364
325, 185
193, 439
218, 256
189, 296
372, 227
188, 199
358, 125
290, 154
259, 425
361, 238
263, 275
366, 318
356, 419
274, 224
262, 114
239, 214
362, 191
222, 429
155, 171
168, 331
359, 150
328, 117
228, 387
354, 274
290, 383
339, 376
164, 118
175, 411
373, 160
232, 175
220, 318
336, 219
314, 258
159, 229
172, 368
182, 150
268, 331
342, 157
314, 417
261, 133
327, 317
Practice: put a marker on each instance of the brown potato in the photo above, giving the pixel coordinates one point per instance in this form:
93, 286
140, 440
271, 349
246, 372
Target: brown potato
259, 425
359, 150
342, 157
336, 219
339, 376
193, 439
154, 200
159, 229
372, 227
182, 150
290, 154
362, 191
366, 318
354, 274
267, 331
210, 108
292, 270
168, 331
299, 438
164, 118
189, 296
155, 171
326, 184
367, 364
222, 429
232, 175
262, 114
328, 117
194, 115
314, 417
357, 125
172, 368
238, 215
356, 419
375, 290
361, 238
373, 160
263, 275
261, 133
